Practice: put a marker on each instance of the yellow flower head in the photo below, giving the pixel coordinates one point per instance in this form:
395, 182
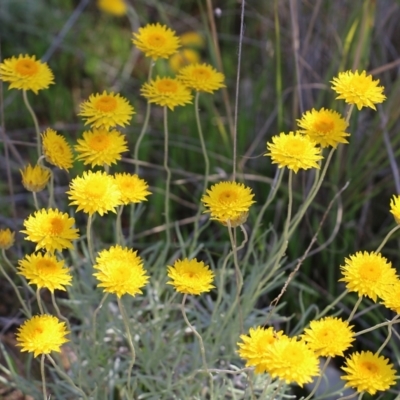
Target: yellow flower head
292, 361
101, 147
329, 336
45, 271
50, 229
106, 110
395, 208
368, 372
201, 77
117, 8
94, 192
7, 238
156, 41
120, 271
182, 58
190, 277
57, 150
192, 39
294, 151
166, 92
324, 127
391, 297
42, 334
256, 346
35, 178
368, 274
132, 188
228, 201
26, 73
358, 89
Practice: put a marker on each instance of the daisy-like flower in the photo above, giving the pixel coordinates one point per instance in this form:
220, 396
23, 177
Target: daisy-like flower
42, 334
292, 360
45, 271
368, 274
190, 276
228, 201
358, 89
50, 229
100, 146
182, 58
324, 127
368, 372
166, 92
94, 192
117, 8
132, 188
256, 345
294, 151
120, 271
201, 77
57, 150
35, 178
26, 73
395, 208
106, 110
329, 336
391, 297
192, 39
7, 238
156, 41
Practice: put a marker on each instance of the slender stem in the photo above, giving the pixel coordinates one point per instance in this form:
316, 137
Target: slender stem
58, 312
39, 301
51, 190
372, 328
386, 340
42, 373
319, 378
35, 121
90, 239
125, 319
355, 309
206, 166
65, 376
131, 222
349, 112
330, 306
35, 200
384, 241
94, 318
351, 396
202, 348
168, 181
118, 226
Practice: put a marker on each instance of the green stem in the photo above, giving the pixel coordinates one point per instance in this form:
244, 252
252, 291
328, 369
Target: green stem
43, 377
90, 239
384, 241
168, 181
349, 112
359, 300
58, 312
319, 379
51, 190
35, 200
35, 121
382, 324
125, 319
94, 318
202, 348
118, 226
39, 301
387, 339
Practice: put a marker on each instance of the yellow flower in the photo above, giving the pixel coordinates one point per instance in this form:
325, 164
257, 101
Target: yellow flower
35, 178
166, 92
50, 229
358, 89
57, 150
7, 238
113, 7
132, 188
256, 346
228, 201
294, 151
26, 73
324, 127
391, 297
100, 146
395, 208
156, 41
106, 110
192, 39
45, 271
42, 334
329, 336
182, 58
292, 361
368, 274
201, 77
190, 277
368, 372
94, 192
120, 271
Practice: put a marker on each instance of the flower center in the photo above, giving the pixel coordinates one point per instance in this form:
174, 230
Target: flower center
56, 226
99, 142
167, 86
201, 74
370, 271
370, 367
227, 196
106, 104
46, 266
26, 67
156, 40
95, 190
294, 147
324, 125
358, 85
